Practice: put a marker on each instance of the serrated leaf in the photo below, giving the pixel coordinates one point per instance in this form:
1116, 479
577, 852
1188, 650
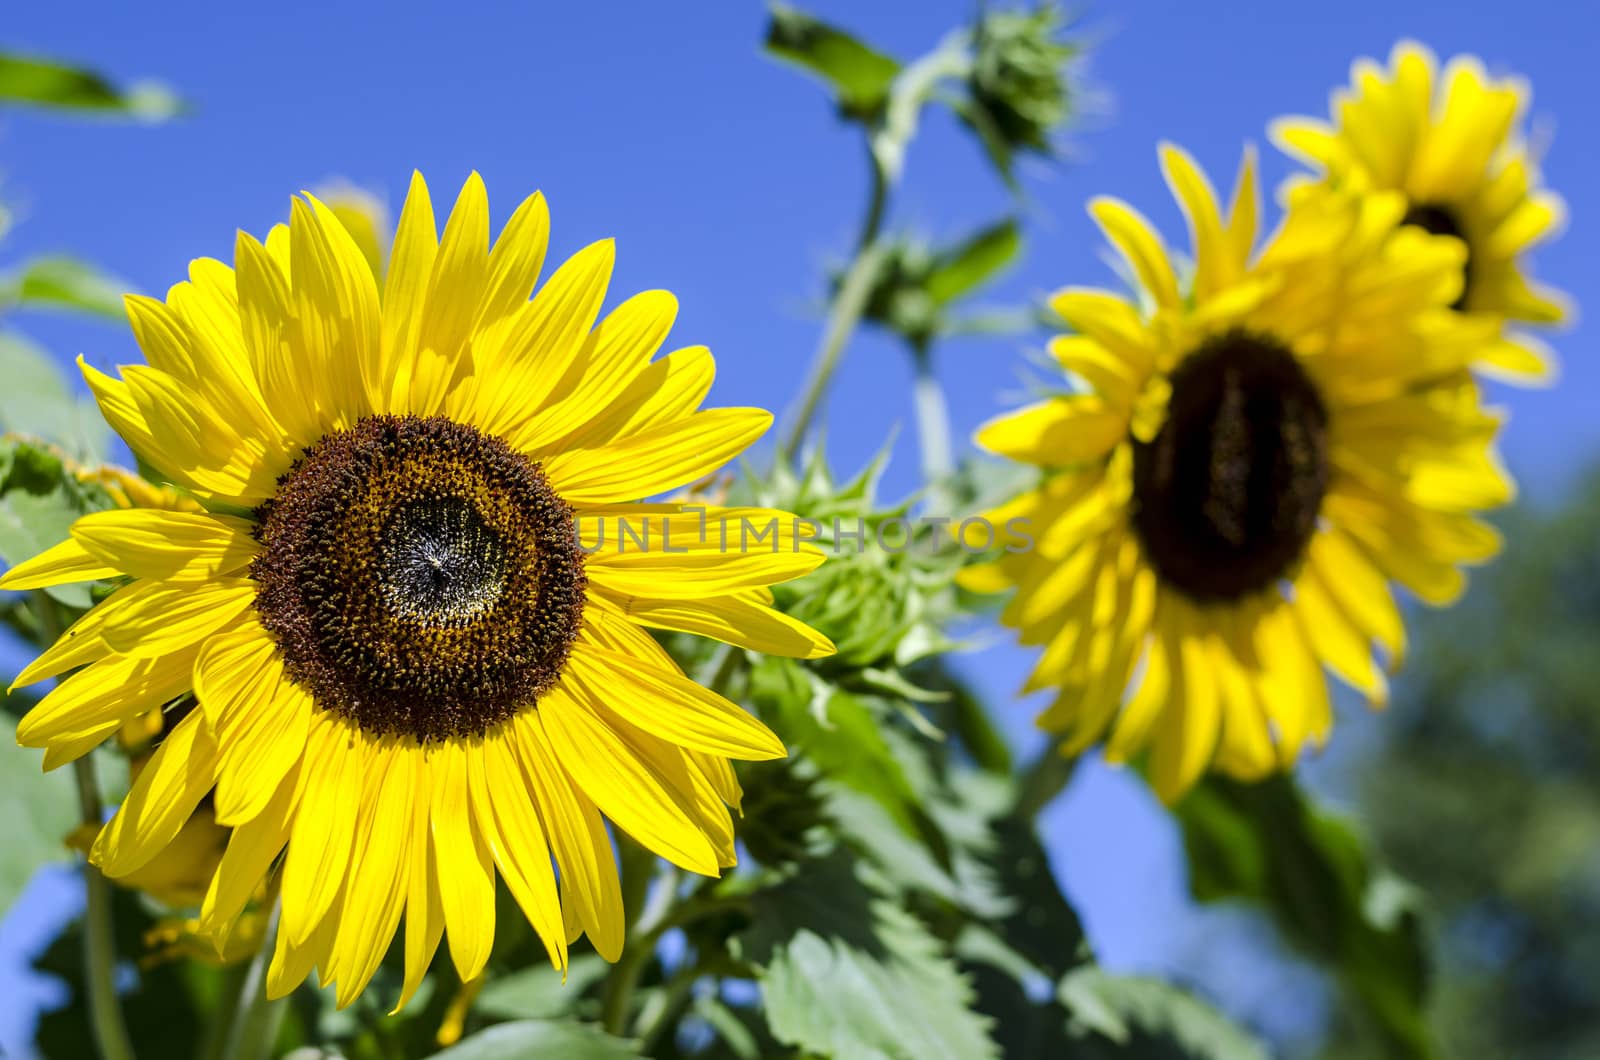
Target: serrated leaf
970, 264
520, 1039
859, 75
41, 82
1149, 1019
60, 282
1309, 870
845, 972
37, 400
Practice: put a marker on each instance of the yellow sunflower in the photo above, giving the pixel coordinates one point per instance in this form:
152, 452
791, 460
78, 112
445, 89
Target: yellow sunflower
1450, 144
1247, 467
418, 642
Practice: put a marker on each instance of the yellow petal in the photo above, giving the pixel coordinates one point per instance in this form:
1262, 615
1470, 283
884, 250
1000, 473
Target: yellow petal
503, 807
515, 261
405, 285
164, 617
106, 694
173, 546
577, 835
169, 787
669, 705
424, 907
611, 773
733, 620
613, 355
460, 273
462, 860
58, 565
379, 877
665, 392
1139, 245
252, 848
1059, 432
324, 827
658, 459
536, 348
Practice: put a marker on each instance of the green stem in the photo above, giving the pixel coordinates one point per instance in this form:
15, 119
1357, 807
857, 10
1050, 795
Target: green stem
933, 425
99, 935
637, 865
99, 945
254, 1027
679, 990
843, 316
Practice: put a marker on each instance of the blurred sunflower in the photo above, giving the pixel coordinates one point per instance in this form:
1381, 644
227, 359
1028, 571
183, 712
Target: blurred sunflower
1450, 144
1251, 463
420, 657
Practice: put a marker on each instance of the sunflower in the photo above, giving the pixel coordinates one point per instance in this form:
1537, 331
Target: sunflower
1246, 467
418, 642
1450, 144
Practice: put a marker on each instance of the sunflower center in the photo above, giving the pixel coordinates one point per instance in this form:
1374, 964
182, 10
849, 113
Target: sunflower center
1439, 220
1227, 493
421, 578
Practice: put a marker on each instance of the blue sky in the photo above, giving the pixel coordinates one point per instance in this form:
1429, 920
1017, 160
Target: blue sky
726, 178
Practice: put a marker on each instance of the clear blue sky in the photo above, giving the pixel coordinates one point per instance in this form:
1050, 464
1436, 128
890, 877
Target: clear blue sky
726, 178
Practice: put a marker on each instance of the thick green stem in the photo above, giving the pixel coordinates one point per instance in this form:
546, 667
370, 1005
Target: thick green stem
843, 316
254, 1027
99, 936
99, 945
933, 426
637, 867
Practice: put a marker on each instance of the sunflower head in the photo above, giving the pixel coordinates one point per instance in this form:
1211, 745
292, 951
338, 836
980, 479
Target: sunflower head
1239, 467
1450, 144
410, 590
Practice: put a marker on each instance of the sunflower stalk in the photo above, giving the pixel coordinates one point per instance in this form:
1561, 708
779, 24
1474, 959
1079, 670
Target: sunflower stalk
99, 935
933, 426
254, 1023
105, 1013
843, 316
887, 141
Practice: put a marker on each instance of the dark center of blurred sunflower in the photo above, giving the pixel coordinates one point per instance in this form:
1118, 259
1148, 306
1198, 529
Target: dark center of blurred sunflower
420, 577
1227, 493
1443, 221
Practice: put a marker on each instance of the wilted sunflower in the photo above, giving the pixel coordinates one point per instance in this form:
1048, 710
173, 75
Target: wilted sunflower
1252, 463
413, 671
1451, 145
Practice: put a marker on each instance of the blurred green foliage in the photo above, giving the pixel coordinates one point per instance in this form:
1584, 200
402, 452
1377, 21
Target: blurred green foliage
1484, 793
38, 82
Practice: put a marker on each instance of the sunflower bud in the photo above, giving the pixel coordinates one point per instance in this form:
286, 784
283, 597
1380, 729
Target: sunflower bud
1020, 84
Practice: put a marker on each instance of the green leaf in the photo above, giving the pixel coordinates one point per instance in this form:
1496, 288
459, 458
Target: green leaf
1264, 843
527, 1038
46, 83
973, 262
60, 282
40, 809
846, 972
1149, 1019
36, 399
538, 992
40, 499
858, 74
